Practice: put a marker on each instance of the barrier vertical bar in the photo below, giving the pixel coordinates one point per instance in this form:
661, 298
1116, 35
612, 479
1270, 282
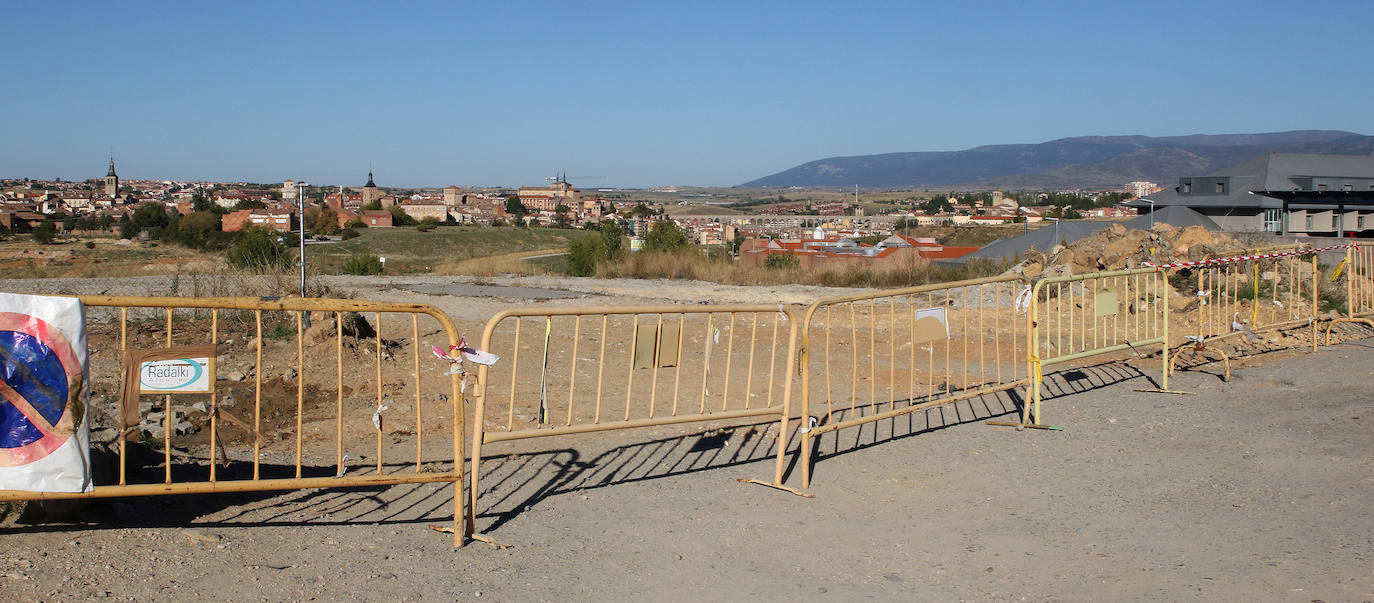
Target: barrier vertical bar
300, 387
214, 398
257, 401
167, 411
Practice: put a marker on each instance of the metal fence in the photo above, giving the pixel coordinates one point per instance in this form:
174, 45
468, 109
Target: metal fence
882, 355
1358, 271
577, 370
1072, 318
291, 408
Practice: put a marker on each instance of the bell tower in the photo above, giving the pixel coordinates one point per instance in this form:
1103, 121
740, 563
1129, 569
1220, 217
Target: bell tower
111, 181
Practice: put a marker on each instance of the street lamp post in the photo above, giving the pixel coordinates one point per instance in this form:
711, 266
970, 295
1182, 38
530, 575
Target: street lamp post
1152, 212
300, 204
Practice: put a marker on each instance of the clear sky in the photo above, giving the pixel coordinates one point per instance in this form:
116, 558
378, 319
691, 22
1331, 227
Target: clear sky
643, 93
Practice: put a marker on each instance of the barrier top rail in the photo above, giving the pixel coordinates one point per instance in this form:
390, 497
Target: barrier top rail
287, 304
884, 293
1246, 258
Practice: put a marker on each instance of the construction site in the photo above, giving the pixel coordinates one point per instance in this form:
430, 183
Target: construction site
1142, 413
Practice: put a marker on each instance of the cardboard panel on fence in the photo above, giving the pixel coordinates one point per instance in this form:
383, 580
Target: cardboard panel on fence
669, 338
1104, 303
931, 324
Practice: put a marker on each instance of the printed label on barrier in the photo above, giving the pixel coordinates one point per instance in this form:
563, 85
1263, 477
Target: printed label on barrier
179, 375
44, 438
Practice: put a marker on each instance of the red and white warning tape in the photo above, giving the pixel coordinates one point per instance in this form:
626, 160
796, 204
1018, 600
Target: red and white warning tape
1244, 258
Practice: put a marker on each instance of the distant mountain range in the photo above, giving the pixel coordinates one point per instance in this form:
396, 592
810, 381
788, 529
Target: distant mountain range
1087, 162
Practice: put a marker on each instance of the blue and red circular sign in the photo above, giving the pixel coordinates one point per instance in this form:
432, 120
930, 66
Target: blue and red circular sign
40, 377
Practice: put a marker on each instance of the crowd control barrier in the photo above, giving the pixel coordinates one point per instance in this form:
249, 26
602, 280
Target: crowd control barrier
1239, 297
577, 370
1358, 270
881, 355
293, 422
1079, 316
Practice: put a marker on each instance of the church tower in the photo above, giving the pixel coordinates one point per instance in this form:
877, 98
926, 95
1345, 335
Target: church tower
111, 181
370, 191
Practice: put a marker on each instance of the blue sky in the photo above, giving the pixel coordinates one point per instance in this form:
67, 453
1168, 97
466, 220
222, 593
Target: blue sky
643, 93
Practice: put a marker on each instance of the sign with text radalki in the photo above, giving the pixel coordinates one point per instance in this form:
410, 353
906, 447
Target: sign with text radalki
176, 376
181, 370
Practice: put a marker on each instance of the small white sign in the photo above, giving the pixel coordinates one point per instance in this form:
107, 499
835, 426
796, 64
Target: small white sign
181, 375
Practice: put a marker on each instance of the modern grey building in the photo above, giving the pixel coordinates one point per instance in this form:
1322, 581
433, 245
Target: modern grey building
1285, 193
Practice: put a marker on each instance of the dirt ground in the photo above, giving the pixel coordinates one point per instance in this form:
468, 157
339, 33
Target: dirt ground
1259, 488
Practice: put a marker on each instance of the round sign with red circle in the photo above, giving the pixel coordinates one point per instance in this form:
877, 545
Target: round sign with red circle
40, 379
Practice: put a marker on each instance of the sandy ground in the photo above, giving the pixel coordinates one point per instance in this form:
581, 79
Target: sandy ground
1257, 489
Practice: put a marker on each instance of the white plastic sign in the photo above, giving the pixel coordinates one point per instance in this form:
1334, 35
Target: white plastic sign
44, 438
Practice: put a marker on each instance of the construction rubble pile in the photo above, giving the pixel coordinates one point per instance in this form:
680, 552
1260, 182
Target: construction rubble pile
1118, 248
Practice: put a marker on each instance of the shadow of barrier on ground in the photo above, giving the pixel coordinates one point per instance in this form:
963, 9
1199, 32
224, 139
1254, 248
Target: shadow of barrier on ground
298, 412
887, 354
1073, 318
383, 504
614, 368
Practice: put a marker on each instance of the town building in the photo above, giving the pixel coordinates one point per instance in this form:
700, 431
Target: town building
375, 218
1139, 188
289, 190
111, 181
370, 191
1284, 193
278, 220
453, 196
547, 198
421, 210
843, 251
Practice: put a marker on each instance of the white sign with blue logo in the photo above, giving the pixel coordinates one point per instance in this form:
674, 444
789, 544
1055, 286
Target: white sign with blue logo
179, 376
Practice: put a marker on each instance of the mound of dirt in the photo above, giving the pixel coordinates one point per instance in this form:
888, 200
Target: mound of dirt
1118, 247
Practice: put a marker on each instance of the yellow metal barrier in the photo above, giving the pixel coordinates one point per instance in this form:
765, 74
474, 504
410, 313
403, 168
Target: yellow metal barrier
1263, 290
896, 352
1358, 270
1075, 317
577, 370
300, 412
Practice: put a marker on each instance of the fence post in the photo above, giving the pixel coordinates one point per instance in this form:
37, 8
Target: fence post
1316, 284
1164, 355
1349, 282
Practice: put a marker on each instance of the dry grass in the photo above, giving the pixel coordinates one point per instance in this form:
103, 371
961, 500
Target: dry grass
722, 269
509, 263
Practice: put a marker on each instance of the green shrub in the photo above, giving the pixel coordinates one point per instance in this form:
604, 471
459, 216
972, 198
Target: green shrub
258, 250
348, 233
425, 227
363, 264
666, 235
281, 331
584, 253
781, 261
45, 233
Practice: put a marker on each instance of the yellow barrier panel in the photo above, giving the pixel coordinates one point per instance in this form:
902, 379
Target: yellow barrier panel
1076, 317
580, 370
1358, 270
881, 355
1267, 290
321, 394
